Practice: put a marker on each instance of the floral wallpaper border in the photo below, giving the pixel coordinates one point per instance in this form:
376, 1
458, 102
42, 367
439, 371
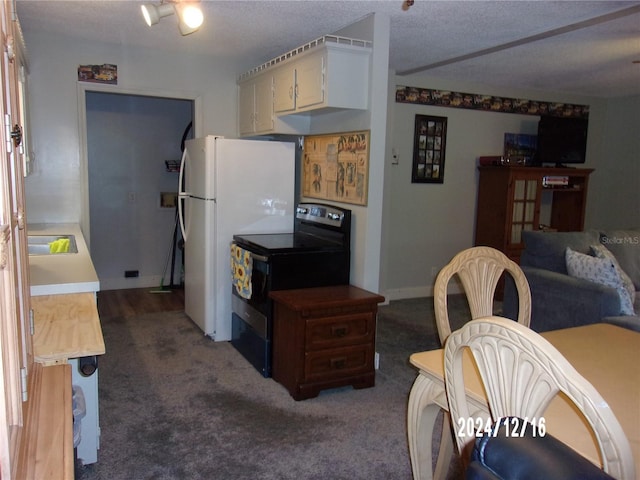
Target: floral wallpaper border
489, 103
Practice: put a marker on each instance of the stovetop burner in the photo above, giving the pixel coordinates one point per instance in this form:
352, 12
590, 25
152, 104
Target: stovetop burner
281, 242
318, 227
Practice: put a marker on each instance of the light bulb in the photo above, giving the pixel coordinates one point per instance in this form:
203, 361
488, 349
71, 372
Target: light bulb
192, 16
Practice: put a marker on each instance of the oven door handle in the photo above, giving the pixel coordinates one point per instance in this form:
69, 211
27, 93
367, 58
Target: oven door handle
260, 258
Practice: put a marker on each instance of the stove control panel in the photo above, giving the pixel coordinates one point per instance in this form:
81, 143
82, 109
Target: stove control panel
320, 213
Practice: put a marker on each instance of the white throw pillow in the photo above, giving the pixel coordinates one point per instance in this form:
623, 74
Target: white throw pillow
601, 251
599, 270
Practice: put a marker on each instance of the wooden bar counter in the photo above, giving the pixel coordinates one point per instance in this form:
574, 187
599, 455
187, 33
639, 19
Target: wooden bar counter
66, 326
47, 447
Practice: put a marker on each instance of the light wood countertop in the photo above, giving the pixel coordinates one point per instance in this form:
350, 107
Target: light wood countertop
66, 326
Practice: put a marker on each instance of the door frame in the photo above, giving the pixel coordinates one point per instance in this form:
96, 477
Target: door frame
82, 90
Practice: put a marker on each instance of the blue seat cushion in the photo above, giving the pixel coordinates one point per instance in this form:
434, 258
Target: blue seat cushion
527, 454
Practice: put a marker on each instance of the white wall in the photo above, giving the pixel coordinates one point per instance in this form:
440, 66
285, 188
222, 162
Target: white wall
54, 190
427, 224
615, 187
366, 243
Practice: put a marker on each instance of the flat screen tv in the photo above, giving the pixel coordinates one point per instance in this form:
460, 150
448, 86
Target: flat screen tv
561, 140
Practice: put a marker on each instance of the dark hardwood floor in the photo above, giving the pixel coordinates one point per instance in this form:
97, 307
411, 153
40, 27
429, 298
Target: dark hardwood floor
138, 301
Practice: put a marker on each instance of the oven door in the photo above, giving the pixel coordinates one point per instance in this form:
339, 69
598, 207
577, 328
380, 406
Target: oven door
250, 318
259, 299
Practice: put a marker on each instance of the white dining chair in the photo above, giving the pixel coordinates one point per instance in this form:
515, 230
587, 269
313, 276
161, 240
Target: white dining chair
479, 269
522, 373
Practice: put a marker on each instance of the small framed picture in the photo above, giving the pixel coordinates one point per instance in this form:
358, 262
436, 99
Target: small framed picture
429, 144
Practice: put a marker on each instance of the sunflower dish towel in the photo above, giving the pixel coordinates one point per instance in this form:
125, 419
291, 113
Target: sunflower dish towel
241, 266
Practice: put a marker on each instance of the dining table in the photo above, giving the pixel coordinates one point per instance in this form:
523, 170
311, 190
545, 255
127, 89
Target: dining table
604, 354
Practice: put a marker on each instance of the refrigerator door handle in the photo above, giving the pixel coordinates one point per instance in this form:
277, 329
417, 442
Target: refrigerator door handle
182, 195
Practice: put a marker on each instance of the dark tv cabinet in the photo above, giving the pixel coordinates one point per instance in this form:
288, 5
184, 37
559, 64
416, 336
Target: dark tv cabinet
514, 198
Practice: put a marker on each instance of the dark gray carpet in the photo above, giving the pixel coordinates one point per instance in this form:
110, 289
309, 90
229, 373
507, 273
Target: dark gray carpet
175, 405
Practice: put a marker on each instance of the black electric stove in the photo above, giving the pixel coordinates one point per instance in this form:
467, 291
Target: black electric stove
316, 254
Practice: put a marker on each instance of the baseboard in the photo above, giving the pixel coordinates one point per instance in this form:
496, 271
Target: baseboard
133, 282
417, 292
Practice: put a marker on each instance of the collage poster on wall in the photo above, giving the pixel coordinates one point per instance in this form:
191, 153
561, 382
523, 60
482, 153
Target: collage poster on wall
429, 149
105, 73
336, 167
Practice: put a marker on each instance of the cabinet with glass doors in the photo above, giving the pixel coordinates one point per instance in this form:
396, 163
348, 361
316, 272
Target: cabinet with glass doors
514, 199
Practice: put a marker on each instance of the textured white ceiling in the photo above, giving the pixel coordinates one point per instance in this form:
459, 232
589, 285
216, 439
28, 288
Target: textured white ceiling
579, 47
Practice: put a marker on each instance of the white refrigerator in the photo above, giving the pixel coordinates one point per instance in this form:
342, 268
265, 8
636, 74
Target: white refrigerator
230, 187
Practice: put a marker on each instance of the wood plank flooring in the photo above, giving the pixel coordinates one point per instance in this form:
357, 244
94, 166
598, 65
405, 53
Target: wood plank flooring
138, 301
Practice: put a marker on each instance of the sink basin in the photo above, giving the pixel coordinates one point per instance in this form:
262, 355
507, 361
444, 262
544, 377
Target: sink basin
41, 244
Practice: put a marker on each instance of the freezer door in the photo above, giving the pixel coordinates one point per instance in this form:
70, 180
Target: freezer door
199, 168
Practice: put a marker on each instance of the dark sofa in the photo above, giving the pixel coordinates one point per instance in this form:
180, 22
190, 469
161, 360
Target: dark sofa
498, 455
560, 300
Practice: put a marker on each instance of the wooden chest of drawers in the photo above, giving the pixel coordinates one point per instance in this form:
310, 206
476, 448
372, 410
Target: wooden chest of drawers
324, 338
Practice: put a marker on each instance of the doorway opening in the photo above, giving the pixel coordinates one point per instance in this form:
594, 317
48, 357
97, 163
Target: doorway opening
133, 148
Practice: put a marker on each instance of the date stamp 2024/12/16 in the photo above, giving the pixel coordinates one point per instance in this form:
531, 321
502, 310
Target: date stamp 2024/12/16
513, 427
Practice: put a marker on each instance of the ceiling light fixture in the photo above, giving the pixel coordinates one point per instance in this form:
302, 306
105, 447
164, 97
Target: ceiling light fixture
189, 14
190, 17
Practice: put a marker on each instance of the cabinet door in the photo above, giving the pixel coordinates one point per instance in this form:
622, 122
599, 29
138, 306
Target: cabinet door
246, 107
310, 81
263, 104
284, 89
15, 335
525, 208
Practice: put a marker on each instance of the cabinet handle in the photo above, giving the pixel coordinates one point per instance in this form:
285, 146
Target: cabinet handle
337, 363
339, 331
20, 219
4, 246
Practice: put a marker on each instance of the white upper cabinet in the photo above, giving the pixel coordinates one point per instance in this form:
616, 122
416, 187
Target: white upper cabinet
284, 89
255, 105
329, 73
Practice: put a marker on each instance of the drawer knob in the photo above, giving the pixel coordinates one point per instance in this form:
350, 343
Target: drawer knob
338, 363
339, 331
